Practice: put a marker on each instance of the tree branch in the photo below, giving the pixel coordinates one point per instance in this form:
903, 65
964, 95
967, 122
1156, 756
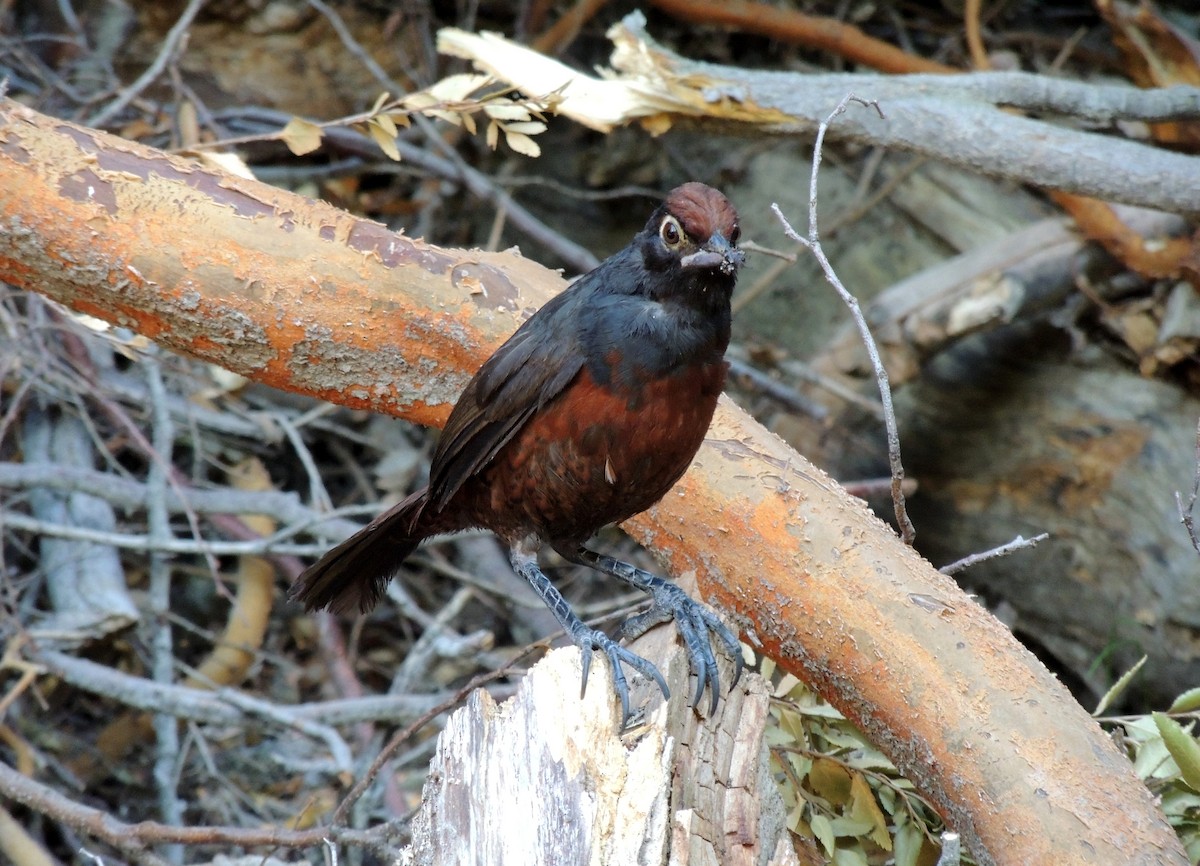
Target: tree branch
959, 120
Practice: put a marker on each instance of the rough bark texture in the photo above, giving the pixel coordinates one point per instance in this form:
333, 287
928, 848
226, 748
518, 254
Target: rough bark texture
678, 789
305, 297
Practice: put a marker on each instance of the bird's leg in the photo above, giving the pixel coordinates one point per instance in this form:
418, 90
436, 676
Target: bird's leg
524, 562
694, 621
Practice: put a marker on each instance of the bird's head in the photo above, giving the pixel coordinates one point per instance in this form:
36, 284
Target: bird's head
694, 233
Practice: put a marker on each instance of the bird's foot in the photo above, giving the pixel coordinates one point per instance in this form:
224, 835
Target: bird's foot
697, 624
588, 639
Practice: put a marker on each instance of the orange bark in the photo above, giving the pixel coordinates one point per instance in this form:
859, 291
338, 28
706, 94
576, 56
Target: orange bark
790, 25
306, 297
1155, 258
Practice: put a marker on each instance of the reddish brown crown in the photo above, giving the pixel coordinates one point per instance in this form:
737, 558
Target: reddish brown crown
702, 210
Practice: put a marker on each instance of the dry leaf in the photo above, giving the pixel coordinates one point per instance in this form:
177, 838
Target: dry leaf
386, 141
301, 136
522, 144
456, 88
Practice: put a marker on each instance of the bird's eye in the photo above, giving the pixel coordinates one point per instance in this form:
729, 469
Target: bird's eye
735, 234
670, 232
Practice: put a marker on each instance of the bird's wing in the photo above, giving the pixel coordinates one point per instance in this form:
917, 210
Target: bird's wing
529, 370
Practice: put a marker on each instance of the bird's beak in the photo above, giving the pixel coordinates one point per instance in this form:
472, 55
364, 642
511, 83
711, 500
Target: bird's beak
717, 252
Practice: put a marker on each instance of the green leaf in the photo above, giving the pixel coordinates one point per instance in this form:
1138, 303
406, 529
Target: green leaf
823, 830
908, 844
1183, 748
849, 857
850, 828
1119, 686
1187, 702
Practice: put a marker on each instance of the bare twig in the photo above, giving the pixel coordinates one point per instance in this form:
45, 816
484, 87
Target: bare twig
813, 244
385, 755
450, 166
433, 642
132, 839
854, 211
170, 44
131, 495
316, 487
805, 371
979, 55
167, 757
1187, 509
482, 186
789, 397
1016, 544
355, 47
272, 545
201, 705
77, 351
316, 727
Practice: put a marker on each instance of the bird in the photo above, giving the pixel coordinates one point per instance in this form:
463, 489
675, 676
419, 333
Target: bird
587, 415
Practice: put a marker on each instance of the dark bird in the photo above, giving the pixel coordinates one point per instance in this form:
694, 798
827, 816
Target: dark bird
586, 416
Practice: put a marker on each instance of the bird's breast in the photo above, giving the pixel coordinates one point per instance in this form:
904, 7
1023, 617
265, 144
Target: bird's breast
599, 453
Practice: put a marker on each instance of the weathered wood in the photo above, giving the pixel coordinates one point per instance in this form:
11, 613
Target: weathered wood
545, 777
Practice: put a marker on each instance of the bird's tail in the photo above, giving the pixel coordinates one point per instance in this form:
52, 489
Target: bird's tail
354, 574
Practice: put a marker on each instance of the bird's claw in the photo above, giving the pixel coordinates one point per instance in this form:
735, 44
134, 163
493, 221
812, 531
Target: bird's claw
695, 623
588, 639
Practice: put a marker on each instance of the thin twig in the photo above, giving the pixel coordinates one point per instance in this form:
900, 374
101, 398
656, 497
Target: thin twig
271, 545
813, 244
1187, 510
979, 55
170, 44
167, 756
317, 728
859, 207
316, 486
132, 839
221, 708
129, 495
354, 47
482, 186
805, 371
789, 397
1016, 544
77, 352
385, 755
